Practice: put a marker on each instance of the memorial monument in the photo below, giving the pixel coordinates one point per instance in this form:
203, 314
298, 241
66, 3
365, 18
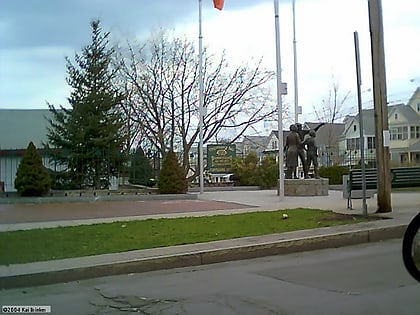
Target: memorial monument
295, 147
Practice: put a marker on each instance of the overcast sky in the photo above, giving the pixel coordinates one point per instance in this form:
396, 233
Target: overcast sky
36, 35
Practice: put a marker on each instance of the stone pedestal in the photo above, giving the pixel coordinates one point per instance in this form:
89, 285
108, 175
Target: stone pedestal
306, 187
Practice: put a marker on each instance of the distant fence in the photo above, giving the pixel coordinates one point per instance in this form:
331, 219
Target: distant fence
10, 160
348, 158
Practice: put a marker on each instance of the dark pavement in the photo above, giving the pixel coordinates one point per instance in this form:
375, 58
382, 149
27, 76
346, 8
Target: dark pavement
44, 212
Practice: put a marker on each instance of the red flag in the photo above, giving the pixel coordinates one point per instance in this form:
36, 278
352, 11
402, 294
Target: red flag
218, 4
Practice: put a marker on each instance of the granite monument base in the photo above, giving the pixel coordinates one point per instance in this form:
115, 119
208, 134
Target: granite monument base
306, 187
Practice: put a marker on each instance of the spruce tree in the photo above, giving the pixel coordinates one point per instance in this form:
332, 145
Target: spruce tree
87, 139
32, 178
172, 179
141, 171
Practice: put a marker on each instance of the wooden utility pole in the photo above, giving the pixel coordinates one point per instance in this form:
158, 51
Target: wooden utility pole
380, 106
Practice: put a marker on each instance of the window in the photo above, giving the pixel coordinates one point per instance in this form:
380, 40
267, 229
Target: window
371, 143
354, 128
274, 144
415, 132
396, 116
418, 107
353, 144
399, 133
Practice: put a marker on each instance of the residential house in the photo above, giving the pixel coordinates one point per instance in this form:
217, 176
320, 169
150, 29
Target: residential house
249, 144
350, 139
404, 132
327, 141
272, 146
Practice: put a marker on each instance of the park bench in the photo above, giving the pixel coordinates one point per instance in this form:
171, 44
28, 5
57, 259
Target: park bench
405, 177
355, 182
400, 177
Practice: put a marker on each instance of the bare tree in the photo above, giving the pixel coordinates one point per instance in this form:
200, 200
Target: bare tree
331, 110
163, 77
131, 128
333, 106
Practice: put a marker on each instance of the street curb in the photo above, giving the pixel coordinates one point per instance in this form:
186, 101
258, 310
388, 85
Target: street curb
203, 257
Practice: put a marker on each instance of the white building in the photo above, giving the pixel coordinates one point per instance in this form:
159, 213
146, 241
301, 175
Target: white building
17, 129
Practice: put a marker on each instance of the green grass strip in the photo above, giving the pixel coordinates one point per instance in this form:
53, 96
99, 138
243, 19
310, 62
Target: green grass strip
65, 242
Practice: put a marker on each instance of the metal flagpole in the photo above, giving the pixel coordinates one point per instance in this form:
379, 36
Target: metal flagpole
297, 109
201, 90
280, 91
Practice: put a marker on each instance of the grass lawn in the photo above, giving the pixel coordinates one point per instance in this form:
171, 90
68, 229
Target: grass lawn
66, 242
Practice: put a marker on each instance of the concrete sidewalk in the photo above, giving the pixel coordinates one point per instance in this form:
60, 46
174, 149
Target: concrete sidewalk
405, 207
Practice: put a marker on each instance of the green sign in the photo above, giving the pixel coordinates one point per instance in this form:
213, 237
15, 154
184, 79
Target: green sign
220, 157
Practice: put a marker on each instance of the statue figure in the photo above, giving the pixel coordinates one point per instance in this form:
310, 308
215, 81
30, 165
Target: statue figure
311, 152
301, 150
292, 148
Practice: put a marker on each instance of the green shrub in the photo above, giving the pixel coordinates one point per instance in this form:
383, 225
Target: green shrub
172, 179
32, 178
268, 173
334, 173
246, 170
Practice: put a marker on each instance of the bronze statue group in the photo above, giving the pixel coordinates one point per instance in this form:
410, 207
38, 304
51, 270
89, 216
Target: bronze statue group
300, 147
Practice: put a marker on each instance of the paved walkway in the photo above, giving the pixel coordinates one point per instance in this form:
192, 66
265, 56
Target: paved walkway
13, 217
34, 215
17, 216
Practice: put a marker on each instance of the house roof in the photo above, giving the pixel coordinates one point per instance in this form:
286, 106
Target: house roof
18, 127
255, 141
407, 111
414, 96
285, 133
368, 121
369, 117
328, 134
415, 147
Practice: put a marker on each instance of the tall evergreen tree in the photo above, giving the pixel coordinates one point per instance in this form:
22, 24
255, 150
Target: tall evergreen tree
86, 139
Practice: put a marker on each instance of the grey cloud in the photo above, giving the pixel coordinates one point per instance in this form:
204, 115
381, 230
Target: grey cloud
66, 23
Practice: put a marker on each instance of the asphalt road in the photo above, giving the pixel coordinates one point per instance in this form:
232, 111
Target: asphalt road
362, 279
